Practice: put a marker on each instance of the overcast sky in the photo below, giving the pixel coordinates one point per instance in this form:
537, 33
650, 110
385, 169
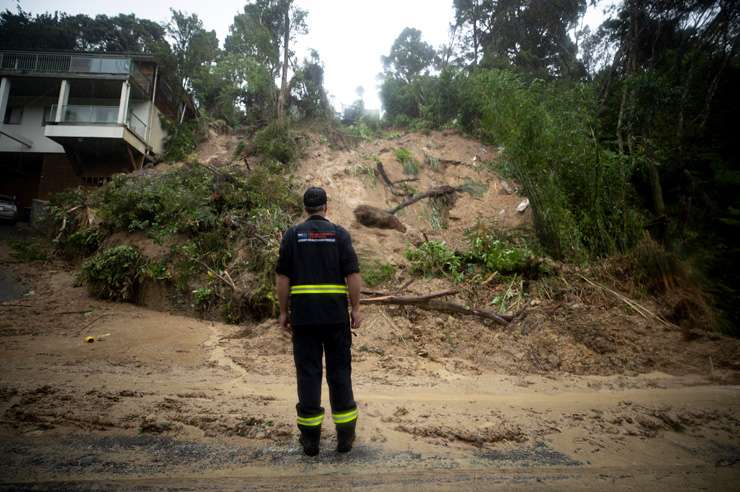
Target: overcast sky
350, 35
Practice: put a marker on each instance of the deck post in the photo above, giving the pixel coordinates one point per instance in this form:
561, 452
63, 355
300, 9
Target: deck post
62, 101
123, 104
4, 96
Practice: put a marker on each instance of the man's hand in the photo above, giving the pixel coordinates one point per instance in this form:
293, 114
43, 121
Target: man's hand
285, 321
354, 285
356, 318
282, 285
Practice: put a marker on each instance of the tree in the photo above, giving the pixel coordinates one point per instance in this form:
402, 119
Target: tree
530, 36
193, 47
410, 57
60, 31
261, 32
473, 16
406, 68
307, 91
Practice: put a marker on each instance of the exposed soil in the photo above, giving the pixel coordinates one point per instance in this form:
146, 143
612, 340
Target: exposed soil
579, 392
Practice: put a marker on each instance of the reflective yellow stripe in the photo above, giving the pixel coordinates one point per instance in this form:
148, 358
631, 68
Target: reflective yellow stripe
345, 417
311, 421
319, 292
320, 286
319, 289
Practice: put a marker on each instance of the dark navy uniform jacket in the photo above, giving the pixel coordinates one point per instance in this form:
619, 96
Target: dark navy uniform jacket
317, 256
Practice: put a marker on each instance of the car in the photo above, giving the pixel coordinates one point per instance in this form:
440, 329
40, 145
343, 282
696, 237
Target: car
8, 209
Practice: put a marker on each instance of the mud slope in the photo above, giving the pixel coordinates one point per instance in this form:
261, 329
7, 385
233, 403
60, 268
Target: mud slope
349, 180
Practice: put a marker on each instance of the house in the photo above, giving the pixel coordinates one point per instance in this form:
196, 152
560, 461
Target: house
74, 118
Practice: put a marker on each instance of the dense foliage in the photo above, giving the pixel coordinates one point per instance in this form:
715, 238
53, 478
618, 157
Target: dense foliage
218, 235
613, 134
113, 273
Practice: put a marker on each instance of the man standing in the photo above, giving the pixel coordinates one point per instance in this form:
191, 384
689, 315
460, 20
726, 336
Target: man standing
316, 270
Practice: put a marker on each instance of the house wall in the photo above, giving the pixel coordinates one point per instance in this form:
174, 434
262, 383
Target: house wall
157, 134
31, 129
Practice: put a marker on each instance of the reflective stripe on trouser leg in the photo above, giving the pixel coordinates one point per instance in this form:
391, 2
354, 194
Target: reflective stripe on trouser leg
345, 417
314, 421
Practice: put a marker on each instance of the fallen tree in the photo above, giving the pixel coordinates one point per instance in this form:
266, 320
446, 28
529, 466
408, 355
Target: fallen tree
433, 193
380, 171
431, 302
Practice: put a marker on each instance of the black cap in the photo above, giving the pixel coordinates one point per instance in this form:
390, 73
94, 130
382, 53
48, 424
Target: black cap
314, 197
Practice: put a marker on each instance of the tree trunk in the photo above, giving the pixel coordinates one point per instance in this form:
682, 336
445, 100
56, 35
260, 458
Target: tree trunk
283, 96
656, 188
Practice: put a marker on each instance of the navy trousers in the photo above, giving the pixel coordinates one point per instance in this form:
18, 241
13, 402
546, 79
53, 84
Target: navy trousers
310, 343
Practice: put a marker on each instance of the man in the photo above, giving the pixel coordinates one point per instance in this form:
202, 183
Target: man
316, 270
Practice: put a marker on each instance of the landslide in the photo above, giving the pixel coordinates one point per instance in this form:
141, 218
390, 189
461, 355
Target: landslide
561, 323
594, 320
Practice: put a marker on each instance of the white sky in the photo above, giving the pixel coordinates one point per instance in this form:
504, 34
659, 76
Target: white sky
350, 35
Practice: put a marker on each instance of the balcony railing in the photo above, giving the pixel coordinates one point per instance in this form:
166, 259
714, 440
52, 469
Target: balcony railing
77, 113
98, 115
63, 63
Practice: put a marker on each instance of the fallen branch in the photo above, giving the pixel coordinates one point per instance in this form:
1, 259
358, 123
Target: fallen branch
387, 181
434, 192
405, 300
439, 160
430, 302
639, 309
221, 175
88, 325
225, 278
448, 307
406, 285
64, 222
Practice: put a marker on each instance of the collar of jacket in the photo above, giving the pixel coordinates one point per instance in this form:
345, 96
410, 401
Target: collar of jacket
317, 217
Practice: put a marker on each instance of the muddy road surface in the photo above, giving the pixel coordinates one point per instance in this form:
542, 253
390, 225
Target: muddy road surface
163, 401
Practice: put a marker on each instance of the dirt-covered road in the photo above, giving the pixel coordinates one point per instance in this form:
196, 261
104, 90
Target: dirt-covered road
166, 401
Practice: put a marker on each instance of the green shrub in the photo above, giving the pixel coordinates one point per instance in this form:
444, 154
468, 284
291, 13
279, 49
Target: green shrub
434, 258
82, 242
113, 273
28, 250
179, 201
211, 222
276, 142
409, 163
204, 297
580, 193
182, 139
496, 255
376, 272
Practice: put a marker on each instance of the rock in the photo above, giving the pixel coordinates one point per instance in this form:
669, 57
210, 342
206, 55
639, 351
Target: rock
506, 188
522, 205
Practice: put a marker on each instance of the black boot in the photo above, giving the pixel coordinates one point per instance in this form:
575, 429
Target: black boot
310, 437
345, 437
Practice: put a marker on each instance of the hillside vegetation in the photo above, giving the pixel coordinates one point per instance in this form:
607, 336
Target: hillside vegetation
620, 137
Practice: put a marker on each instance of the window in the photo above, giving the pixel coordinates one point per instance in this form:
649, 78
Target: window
13, 115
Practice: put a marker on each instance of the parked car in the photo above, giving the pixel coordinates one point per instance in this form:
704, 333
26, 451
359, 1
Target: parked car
8, 209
